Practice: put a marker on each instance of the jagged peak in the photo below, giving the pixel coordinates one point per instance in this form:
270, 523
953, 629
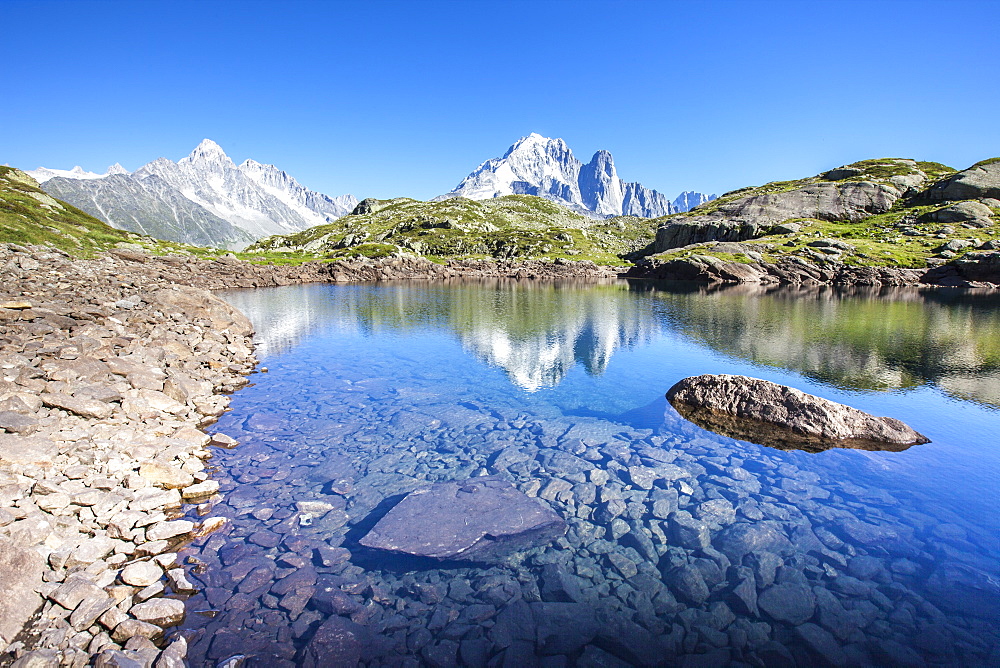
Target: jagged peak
536, 142
116, 169
603, 157
208, 151
253, 165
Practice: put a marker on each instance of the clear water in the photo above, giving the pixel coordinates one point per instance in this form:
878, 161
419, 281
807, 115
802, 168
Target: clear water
863, 558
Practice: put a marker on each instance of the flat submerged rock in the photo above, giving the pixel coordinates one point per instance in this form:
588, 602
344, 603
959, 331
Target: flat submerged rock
779, 416
481, 519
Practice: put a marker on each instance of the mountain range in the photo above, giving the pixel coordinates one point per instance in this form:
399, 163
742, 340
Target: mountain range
208, 200
537, 165
203, 199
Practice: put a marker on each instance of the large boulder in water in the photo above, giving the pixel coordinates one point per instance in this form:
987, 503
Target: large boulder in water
481, 519
764, 412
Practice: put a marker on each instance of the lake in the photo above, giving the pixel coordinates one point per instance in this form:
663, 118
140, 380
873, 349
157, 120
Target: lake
683, 547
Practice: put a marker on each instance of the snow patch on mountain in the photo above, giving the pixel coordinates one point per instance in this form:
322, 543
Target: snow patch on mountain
43, 174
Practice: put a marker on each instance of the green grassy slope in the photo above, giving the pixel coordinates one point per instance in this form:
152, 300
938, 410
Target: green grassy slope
516, 226
28, 215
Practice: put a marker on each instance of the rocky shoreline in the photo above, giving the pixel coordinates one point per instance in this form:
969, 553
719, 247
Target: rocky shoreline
108, 369
973, 270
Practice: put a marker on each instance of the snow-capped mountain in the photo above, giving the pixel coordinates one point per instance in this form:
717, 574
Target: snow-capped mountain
537, 165
43, 174
204, 198
309, 203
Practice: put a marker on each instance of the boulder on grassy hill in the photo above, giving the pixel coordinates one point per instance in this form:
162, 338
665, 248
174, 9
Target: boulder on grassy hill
979, 181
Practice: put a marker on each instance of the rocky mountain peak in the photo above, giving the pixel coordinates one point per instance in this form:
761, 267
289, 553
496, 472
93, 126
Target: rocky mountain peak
208, 152
546, 167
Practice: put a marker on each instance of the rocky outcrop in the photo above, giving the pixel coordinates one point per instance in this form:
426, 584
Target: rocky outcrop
972, 212
723, 403
481, 519
979, 181
709, 269
756, 214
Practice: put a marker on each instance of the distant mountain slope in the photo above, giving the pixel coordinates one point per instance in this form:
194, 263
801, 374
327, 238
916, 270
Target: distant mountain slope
512, 226
537, 165
150, 206
204, 198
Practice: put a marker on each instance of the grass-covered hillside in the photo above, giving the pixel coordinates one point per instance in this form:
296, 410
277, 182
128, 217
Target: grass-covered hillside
912, 225
512, 227
29, 215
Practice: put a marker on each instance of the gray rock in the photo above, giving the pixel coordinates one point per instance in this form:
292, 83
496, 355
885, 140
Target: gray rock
173, 656
74, 590
337, 643
167, 530
480, 519
789, 602
39, 658
831, 243
131, 628
18, 423
88, 408
959, 213
976, 182
165, 475
116, 658
141, 573
688, 583
16, 449
20, 576
159, 611
90, 609
744, 538
735, 403
560, 586
823, 645
843, 173
689, 532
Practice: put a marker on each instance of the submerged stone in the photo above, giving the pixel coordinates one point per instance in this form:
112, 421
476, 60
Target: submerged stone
782, 417
482, 519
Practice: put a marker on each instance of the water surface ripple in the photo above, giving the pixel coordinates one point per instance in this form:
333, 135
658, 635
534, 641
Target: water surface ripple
684, 547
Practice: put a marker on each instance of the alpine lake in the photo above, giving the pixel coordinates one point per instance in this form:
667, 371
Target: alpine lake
683, 546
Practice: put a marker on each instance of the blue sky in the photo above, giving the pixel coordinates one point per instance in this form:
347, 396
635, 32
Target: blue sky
405, 98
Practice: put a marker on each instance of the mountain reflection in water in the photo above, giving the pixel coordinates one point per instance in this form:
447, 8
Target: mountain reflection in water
862, 339
535, 338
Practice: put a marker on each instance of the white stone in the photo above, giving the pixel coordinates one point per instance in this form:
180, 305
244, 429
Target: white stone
141, 574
